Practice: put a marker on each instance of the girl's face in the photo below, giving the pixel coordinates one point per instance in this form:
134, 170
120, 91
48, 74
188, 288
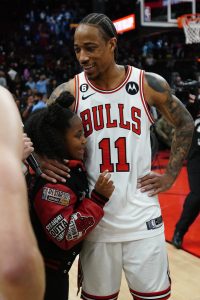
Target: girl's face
75, 140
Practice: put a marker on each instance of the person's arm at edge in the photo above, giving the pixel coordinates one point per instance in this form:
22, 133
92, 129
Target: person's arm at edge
21, 264
158, 93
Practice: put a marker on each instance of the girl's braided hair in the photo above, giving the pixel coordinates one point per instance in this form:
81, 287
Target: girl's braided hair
47, 127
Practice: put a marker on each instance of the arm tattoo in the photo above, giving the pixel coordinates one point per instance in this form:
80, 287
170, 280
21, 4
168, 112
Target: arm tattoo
182, 136
61, 88
175, 112
155, 83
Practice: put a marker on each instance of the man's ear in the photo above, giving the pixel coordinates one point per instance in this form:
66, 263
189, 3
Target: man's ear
113, 43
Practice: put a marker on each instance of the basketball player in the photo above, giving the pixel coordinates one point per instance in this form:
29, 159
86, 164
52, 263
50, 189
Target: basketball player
113, 102
21, 266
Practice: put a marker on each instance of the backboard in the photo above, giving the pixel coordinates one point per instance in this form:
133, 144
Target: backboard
164, 13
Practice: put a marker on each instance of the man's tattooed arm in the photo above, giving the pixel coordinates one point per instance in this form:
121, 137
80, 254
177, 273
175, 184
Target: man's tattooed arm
67, 86
158, 93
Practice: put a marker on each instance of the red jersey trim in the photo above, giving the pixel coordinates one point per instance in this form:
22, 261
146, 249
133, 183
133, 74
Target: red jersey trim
87, 296
162, 295
145, 104
97, 89
77, 98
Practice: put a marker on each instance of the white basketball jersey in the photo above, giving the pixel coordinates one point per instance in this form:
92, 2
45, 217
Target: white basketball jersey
117, 126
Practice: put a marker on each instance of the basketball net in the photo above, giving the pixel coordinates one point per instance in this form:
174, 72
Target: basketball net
191, 26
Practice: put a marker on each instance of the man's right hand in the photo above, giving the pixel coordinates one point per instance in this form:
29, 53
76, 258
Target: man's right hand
53, 170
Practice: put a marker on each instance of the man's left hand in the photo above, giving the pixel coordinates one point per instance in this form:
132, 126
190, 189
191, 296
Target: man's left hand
154, 183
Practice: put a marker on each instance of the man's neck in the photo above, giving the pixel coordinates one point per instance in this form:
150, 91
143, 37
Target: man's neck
111, 78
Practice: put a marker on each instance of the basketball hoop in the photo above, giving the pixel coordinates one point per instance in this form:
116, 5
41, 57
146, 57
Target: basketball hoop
191, 26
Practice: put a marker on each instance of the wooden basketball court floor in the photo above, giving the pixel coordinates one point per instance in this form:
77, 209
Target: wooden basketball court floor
184, 272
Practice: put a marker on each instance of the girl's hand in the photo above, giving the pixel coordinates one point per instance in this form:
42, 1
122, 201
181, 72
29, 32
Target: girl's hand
104, 185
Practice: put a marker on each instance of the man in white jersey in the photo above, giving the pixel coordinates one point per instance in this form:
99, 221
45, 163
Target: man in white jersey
113, 102
21, 265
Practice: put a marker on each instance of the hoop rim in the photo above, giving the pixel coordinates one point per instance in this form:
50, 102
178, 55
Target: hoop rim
187, 17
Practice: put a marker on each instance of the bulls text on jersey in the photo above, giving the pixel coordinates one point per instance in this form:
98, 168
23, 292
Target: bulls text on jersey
99, 117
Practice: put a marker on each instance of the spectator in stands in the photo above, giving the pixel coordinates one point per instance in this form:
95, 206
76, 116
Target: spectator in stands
53, 83
3, 81
31, 83
12, 74
29, 103
17, 102
41, 84
56, 20
40, 102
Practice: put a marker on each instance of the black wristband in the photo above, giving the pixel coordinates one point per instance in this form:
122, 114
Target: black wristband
98, 198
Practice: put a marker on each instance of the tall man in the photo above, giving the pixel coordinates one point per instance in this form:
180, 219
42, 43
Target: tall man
113, 102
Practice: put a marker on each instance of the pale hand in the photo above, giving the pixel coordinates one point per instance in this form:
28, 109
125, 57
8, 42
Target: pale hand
28, 147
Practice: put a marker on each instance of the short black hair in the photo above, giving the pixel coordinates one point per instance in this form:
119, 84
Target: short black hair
39, 95
105, 25
47, 127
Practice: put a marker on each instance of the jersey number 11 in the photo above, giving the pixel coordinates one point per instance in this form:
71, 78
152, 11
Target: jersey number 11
120, 145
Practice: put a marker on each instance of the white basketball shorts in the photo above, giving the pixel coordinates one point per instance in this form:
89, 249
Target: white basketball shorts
145, 264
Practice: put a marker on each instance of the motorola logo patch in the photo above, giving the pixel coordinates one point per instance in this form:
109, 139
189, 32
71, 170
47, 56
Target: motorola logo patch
84, 87
132, 88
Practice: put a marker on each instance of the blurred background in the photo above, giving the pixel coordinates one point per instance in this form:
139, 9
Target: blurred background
36, 43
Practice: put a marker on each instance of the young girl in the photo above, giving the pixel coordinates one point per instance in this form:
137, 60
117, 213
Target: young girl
63, 213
